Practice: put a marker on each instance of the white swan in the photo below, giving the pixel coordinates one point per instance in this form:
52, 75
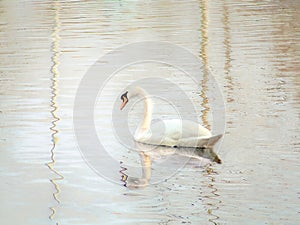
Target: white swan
172, 132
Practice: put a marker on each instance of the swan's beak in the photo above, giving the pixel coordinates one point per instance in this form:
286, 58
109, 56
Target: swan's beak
123, 104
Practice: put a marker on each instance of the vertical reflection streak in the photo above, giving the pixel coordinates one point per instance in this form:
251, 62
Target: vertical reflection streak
204, 57
211, 204
227, 46
54, 91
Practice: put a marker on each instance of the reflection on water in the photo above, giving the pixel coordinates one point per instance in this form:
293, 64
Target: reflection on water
54, 91
144, 180
204, 57
252, 49
148, 153
227, 47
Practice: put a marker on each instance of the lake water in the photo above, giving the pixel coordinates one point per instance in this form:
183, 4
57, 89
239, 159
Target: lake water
250, 47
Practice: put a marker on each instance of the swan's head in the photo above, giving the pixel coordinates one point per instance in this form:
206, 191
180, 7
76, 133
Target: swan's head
133, 92
124, 99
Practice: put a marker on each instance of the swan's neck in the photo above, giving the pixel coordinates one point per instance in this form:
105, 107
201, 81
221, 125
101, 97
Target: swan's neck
145, 125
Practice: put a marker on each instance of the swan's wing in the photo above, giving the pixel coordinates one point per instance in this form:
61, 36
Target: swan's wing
178, 133
201, 142
186, 128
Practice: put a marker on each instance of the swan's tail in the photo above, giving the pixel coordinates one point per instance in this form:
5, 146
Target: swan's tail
213, 140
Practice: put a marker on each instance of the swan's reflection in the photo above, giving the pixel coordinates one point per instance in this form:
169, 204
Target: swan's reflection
135, 182
148, 153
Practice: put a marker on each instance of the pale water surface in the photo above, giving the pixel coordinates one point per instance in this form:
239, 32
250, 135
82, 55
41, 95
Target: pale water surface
252, 49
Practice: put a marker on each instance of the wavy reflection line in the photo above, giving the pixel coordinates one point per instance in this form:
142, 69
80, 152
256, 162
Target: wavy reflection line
227, 45
54, 105
203, 55
211, 204
124, 176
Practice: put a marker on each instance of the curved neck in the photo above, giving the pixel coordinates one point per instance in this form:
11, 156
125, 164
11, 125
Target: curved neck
146, 122
147, 117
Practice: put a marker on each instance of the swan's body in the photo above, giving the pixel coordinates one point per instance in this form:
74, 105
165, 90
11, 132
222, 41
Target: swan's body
173, 132
176, 133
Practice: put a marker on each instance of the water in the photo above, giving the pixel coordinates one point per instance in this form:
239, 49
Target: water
251, 48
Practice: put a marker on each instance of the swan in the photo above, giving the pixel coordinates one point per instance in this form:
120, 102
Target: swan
170, 132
